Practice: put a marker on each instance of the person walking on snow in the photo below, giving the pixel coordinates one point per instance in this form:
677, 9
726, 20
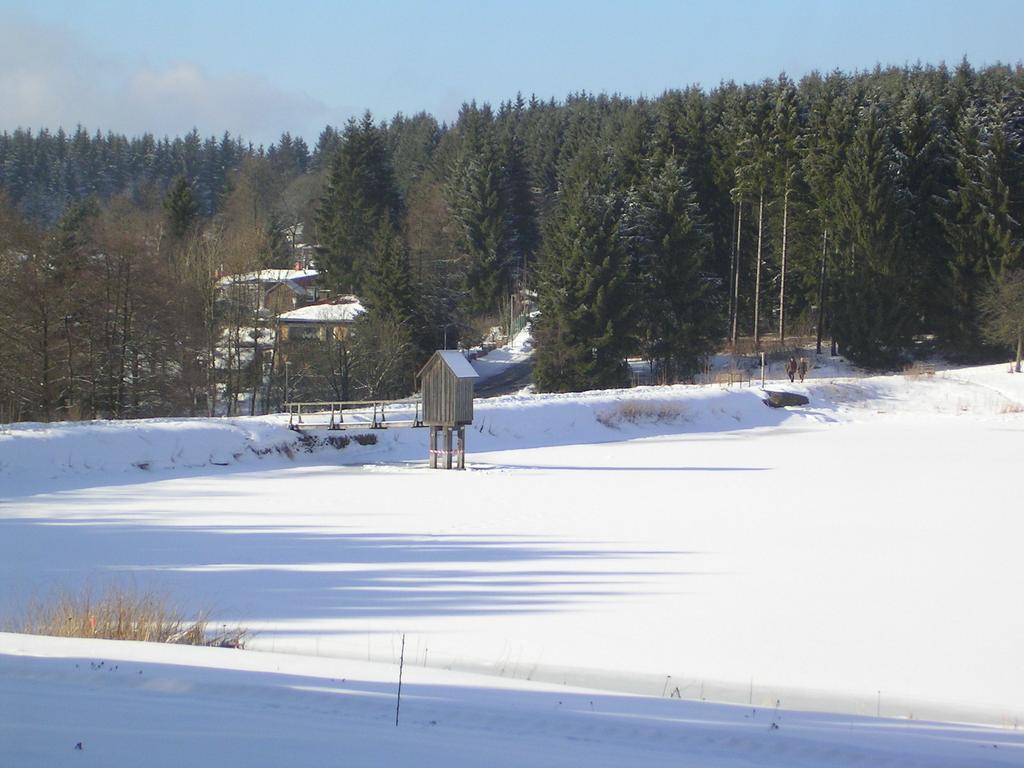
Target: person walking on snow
803, 369
791, 369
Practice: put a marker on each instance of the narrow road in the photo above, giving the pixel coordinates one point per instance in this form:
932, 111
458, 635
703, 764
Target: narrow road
517, 376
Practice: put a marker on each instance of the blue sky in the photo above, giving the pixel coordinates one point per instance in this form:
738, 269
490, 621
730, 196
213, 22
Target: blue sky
258, 68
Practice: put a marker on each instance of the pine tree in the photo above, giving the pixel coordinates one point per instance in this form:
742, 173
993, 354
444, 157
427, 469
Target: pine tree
982, 218
387, 339
1002, 182
522, 209
181, 207
831, 123
785, 159
873, 322
412, 142
678, 321
753, 176
360, 195
729, 105
586, 310
686, 129
388, 290
923, 141
1002, 313
479, 202
327, 145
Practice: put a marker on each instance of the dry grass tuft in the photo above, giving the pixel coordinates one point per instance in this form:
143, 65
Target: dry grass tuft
918, 369
118, 613
641, 412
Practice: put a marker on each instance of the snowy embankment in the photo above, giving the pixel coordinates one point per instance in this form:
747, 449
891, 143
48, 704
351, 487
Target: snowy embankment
36, 456
36, 453
856, 555
104, 703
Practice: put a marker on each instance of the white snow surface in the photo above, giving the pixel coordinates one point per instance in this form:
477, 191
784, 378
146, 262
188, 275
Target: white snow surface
341, 312
858, 556
268, 276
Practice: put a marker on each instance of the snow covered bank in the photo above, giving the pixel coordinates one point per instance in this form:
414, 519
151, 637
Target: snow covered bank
83, 702
103, 448
31, 455
40, 456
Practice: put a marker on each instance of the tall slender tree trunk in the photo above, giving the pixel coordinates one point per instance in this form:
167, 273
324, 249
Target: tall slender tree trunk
44, 379
109, 332
270, 368
70, 402
821, 289
229, 378
122, 362
757, 271
736, 276
94, 379
136, 380
210, 329
257, 372
732, 260
1020, 349
782, 275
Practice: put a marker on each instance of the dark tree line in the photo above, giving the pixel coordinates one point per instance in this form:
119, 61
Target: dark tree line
879, 211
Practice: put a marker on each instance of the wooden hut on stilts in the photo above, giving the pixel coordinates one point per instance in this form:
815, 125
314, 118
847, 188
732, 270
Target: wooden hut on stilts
446, 383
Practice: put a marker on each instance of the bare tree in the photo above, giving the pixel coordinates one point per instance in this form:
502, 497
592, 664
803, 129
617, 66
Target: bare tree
1002, 312
382, 357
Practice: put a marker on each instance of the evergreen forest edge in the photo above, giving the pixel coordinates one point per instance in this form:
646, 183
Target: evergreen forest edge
882, 210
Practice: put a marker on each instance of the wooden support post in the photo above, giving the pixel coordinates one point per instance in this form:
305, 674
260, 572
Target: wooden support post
433, 447
447, 447
462, 448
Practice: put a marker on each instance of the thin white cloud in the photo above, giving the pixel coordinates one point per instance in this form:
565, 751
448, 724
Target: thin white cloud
49, 78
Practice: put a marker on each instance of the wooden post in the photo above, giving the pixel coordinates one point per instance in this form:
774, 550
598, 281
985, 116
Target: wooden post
447, 447
462, 448
433, 447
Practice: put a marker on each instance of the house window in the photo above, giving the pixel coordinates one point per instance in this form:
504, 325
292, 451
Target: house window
303, 332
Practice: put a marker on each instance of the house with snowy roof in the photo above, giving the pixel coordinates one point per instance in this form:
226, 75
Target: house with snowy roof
320, 321
272, 290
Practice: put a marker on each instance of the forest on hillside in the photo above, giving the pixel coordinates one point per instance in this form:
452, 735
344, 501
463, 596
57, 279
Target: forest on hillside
879, 212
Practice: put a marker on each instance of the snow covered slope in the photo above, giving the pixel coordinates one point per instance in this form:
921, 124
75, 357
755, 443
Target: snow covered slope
101, 703
857, 555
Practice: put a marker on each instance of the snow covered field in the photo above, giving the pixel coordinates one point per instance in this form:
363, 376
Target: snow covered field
857, 556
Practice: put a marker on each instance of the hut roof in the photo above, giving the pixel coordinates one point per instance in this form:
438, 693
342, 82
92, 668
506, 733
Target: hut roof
456, 362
